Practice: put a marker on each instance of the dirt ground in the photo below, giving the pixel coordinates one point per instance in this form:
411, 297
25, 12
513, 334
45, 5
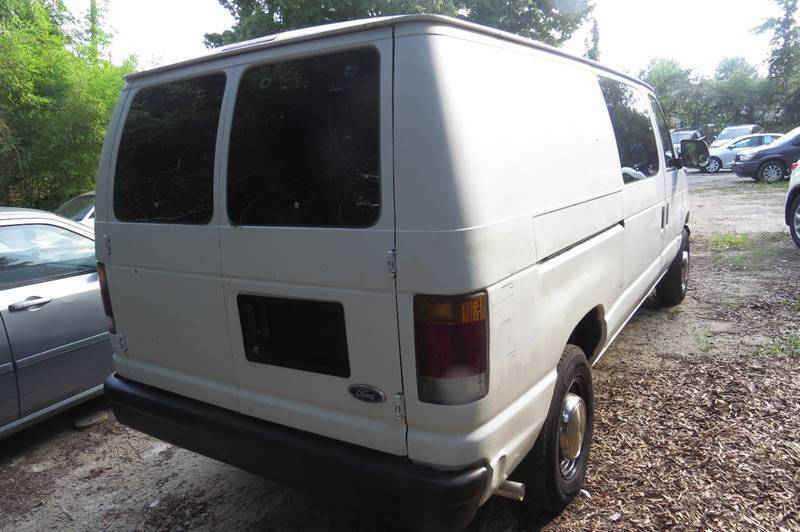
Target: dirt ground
697, 422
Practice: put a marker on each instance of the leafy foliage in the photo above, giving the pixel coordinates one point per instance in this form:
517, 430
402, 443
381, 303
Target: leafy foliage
56, 96
549, 21
737, 94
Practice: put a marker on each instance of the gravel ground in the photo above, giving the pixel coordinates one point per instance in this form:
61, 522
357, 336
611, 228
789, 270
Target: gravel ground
697, 422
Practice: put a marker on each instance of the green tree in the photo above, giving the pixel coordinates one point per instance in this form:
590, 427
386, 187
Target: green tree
593, 42
784, 63
549, 21
55, 101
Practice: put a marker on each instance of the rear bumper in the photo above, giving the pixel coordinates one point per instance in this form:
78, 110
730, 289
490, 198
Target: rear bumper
417, 496
745, 169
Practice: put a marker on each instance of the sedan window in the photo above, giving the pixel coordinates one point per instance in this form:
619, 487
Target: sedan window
37, 252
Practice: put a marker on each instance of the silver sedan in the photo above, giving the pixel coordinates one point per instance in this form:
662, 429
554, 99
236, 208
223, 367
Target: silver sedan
722, 156
54, 344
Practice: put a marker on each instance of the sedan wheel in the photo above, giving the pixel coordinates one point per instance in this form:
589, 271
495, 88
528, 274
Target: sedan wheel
771, 172
794, 221
713, 165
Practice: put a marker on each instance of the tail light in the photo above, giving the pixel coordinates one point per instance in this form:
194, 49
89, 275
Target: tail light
101, 275
794, 166
452, 347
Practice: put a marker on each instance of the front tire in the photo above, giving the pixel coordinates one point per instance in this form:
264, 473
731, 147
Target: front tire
714, 165
671, 289
794, 220
771, 172
554, 469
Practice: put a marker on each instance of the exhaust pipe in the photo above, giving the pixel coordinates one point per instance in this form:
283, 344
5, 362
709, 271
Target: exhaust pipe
511, 490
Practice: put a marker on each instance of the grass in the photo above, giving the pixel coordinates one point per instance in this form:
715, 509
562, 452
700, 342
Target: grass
726, 241
737, 187
704, 342
739, 251
786, 346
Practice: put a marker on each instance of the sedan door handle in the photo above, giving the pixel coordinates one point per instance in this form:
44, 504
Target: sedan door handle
33, 301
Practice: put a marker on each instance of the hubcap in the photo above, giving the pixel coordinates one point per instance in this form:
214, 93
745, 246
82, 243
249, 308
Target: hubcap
713, 165
684, 270
773, 173
571, 432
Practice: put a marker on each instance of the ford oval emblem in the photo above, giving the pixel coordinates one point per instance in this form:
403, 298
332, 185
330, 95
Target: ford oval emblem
367, 393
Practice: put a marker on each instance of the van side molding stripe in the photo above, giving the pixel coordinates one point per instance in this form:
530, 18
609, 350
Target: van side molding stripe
581, 241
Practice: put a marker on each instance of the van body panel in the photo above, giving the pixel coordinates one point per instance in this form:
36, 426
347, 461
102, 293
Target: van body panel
525, 345
341, 265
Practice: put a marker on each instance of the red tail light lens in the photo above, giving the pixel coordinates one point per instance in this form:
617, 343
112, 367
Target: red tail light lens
101, 275
452, 348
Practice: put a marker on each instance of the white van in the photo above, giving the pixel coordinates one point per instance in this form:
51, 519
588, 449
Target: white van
377, 258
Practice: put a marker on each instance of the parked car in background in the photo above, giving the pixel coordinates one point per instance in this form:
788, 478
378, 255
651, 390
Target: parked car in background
400, 303
722, 156
677, 135
80, 209
771, 162
793, 204
732, 132
54, 342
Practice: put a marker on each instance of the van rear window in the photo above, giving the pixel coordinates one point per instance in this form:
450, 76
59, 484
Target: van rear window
165, 164
305, 142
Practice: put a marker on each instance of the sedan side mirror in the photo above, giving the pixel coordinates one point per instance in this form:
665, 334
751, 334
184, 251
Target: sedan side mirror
694, 153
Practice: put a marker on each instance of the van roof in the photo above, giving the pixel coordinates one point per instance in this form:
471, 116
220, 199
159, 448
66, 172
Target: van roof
327, 30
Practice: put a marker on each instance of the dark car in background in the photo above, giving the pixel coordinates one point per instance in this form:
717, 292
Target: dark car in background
677, 135
55, 349
769, 163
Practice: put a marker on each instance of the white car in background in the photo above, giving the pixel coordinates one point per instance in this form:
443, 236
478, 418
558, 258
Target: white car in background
79, 209
793, 204
731, 132
722, 156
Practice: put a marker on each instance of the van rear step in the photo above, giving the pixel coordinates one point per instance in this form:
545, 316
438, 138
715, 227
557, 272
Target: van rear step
415, 496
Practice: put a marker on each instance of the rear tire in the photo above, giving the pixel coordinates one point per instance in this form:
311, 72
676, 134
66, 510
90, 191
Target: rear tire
671, 289
551, 479
771, 172
714, 165
794, 220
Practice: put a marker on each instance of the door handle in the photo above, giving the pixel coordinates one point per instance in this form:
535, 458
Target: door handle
33, 301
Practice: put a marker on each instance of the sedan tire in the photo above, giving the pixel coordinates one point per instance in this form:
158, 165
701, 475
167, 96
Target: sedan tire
714, 165
771, 172
794, 220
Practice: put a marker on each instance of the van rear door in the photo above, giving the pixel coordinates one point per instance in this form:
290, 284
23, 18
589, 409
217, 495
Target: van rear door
160, 239
310, 220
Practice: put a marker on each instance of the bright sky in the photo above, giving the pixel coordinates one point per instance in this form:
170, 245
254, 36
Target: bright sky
698, 33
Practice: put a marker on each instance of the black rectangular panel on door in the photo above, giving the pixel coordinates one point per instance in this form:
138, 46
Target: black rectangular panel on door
295, 333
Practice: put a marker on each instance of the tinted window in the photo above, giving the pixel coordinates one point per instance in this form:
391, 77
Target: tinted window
663, 131
165, 165
733, 132
305, 143
630, 118
37, 252
747, 143
76, 208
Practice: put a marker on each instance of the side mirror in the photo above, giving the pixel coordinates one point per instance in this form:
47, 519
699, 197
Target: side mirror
694, 153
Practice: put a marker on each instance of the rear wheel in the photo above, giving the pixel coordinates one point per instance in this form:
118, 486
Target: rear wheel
671, 289
794, 220
714, 165
771, 172
554, 469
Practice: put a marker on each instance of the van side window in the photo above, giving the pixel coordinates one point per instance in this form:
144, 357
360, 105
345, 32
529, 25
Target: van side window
165, 165
663, 131
633, 130
305, 142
